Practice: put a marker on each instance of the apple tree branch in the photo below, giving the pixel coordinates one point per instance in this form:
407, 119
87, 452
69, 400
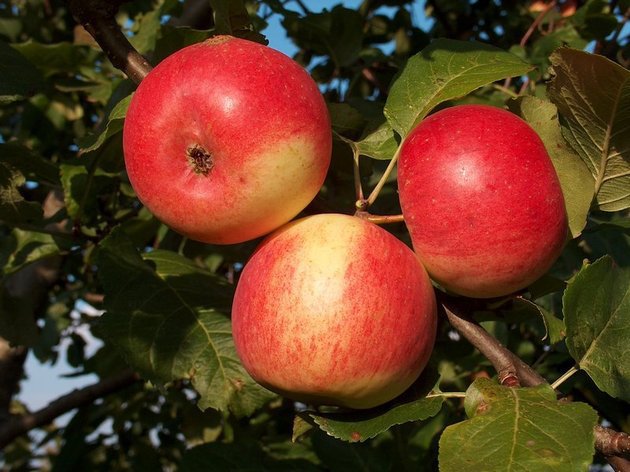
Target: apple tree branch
98, 17
15, 426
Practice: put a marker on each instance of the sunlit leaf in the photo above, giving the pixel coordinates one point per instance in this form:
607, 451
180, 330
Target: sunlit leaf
575, 178
22, 248
518, 429
379, 143
596, 120
445, 70
13, 207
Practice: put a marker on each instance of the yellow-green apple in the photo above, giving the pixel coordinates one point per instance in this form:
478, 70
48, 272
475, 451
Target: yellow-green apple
481, 200
332, 309
227, 140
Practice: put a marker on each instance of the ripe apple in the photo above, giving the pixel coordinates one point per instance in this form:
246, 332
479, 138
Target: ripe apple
331, 309
227, 140
481, 200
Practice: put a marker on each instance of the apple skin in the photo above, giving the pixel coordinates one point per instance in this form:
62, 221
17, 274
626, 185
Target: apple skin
254, 121
333, 310
481, 200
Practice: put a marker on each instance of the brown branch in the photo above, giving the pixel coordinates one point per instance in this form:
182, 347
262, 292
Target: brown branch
619, 464
18, 425
511, 370
98, 17
612, 443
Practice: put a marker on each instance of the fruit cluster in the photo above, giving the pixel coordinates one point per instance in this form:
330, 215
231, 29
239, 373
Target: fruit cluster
229, 140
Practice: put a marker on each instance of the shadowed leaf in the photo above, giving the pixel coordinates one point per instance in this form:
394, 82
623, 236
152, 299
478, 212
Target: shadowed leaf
597, 314
168, 318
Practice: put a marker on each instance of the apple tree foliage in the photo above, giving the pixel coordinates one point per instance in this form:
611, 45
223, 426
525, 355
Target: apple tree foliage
74, 233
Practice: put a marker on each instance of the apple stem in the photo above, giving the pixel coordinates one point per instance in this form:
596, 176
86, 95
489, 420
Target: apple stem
358, 189
361, 203
378, 219
383, 180
447, 395
564, 377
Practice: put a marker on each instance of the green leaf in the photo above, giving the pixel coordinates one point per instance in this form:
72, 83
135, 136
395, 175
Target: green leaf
114, 125
518, 429
556, 330
445, 70
32, 166
345, 119
83, 185
57, 57
379, 143
546, 44
358, 426
596, 120
245, 455
14, 209
232, 17
520, 310
597, 314
596, 19
22, 248
337, 33
169, 320
377, 136
575, 178
340, 456
17, 324
19, 78
147, 31
175, 38
617, 224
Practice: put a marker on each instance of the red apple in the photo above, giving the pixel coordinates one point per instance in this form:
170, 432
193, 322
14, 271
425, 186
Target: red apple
331, 309
482, 200
227, 140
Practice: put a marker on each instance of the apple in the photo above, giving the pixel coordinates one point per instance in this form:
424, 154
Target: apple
227, 140
332, 309
481, 200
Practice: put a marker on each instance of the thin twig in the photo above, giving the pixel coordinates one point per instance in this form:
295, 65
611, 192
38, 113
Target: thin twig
536, 22
18, 425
